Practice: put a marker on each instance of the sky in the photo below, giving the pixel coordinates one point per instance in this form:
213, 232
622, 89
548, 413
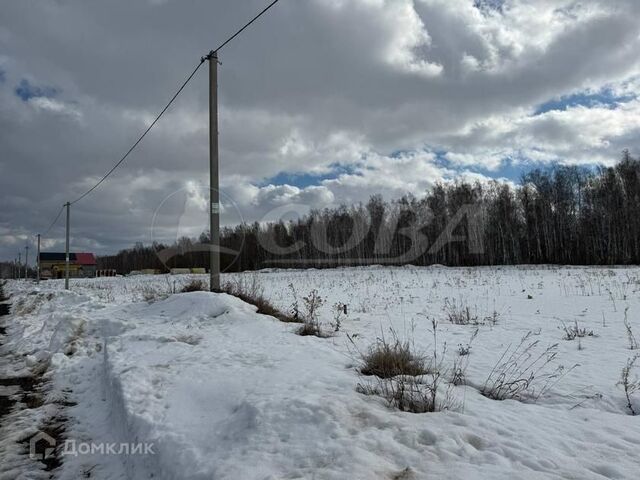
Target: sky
322, 102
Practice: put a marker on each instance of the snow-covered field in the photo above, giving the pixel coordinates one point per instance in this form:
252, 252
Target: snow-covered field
222, 392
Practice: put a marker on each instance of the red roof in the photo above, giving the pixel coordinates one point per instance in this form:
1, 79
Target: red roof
85, 259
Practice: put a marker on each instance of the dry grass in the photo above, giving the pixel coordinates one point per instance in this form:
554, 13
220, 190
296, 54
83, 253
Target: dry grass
630, 385
407, 380
3, 297
308, 329
195, 286
633, 343
405, 474
465, 349
389, 359
522, 373
406, 394
311, 317
252, 293
459, 314
151, 294
574, 331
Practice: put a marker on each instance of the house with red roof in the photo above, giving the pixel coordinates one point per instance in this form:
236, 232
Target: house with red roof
81, 265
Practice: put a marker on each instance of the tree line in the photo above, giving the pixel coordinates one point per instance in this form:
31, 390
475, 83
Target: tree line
15, 270
559, 215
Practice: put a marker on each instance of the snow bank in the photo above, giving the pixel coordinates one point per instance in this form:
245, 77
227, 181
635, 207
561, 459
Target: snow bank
225, 393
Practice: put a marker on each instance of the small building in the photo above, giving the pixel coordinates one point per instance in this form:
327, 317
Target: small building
180, 271
145, 271
106, 272
81, 265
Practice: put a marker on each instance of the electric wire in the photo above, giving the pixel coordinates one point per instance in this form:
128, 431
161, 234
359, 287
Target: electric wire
54, 222
162, 112
246, 26
141, 136
202, 60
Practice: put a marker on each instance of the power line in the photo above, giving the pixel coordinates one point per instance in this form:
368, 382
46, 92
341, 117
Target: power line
141, 136
162, 112
247, 25
54, 222
202, 60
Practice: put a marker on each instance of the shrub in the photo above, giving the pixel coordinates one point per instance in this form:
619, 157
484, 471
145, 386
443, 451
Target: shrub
312, 325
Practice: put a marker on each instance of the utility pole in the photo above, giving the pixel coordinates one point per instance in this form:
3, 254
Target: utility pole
66, 264
26, 261
214, 194
38, 262
19, 265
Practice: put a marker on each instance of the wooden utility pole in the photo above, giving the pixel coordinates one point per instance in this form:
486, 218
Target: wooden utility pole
26, 261
66, 264
38, 262
214, 194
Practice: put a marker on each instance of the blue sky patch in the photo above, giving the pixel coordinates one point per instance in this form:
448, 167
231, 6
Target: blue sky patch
488, 5
26, 91
511, 167
514, 166
303, 180
605, 98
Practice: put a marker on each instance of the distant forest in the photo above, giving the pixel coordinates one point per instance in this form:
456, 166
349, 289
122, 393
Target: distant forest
561, 215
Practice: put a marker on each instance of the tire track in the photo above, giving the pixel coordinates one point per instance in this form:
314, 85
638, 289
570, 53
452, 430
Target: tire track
20, 398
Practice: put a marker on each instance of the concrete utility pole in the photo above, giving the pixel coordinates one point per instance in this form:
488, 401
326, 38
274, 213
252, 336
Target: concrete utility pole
26, 261
214, 194
38, 262
66, 263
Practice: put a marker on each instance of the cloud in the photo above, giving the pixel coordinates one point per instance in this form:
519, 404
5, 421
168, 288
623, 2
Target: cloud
316, 101
577, 135
27, 91
54, 106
